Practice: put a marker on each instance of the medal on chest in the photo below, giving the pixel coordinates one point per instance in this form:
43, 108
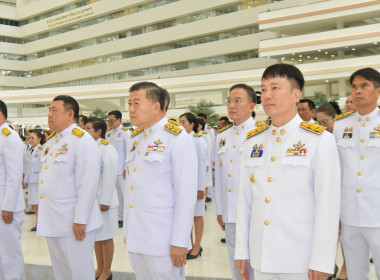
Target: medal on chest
156, 147
348, 132
222, 142
298, 150
257, 151
376, 133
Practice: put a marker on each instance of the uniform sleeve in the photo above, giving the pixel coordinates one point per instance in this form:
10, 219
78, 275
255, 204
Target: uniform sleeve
218, 180
126, 138
243, 213
327, 184
13, 158
185, 174
209, 150
202, 158
86, 177
110, 163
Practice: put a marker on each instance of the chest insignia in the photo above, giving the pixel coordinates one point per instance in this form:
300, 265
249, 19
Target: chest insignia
158, 142
298, 150
46, 151
119, 134
348, 132
375, 134
222, 142
134, 146
36, 155
62, 151
252, 178
156, 146
257, 151
109, 134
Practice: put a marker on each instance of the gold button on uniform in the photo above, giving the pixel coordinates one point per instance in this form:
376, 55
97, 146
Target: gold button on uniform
134, 169
267, 200
273, 158
145, 137
359, 190
362, 140
243, 126
139, 152
51, 154
229, 189
367, 119
359, 119
131, 188
282, 131
229, 174
150, 130
42, 181
278, 139
237, 133
359, 173
270, 179
131, 206
231, 160
361, 157
273, 132
266, 222
41, 196
234, 146
56, 141
46, 167
363, 124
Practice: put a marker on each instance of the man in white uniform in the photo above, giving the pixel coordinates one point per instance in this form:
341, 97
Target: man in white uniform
68, 213
289, 189
358, 139
11, 200
306, 110
161, 188
240, 105
118, 136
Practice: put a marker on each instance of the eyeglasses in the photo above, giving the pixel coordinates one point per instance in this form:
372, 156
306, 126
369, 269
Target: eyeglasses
236, 101
111, 121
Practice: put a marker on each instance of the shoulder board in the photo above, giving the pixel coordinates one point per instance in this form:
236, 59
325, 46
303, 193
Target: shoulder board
50, 136
136, 132
317, 129
174, 123
197, 135
342, 116
104, 142
172, 128
77, 132
256, 131
204, 132
6, 131
227, 127
209, 127
124, 128
259, 123
40, 147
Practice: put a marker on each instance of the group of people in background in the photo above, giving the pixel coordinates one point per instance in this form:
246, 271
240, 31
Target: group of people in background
285, 189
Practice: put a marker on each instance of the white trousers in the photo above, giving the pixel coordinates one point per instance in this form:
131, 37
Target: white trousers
280, 276
71, 259
357, 243
230, 241
11, 257
120, 186
155, 268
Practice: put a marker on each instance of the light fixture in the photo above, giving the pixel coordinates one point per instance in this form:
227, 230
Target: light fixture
319, 50
375, 43
326, 81
353, 49
315, 57
326, 52
300, 55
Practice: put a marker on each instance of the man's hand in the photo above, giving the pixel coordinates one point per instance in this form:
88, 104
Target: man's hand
79, 231
242, 268
200, 195
219, 218
104, 208
178, 255
317, 275
7, 216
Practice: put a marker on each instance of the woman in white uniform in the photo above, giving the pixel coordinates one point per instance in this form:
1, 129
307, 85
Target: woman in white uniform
107, 199
32, 170
189, 122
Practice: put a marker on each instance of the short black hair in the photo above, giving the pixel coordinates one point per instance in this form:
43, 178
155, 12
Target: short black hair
84, 118
69, 103
201, 122
290, 72
167, 98
253, 114
191, 119
331, 109
202, 115
224, 119
3, 109
248, 89
369, 74
153, 92
98, 124
309, 102
118, 115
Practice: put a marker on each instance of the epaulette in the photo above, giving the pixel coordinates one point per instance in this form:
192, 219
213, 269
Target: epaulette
124, 128
209, 127
40, 147
197, 135
342, 116
136, 132
6, 131
104, 142
257, 131
174, 123
225, 128
172, 128
77, 132
259, 123
204, 132
50, 136
317, 129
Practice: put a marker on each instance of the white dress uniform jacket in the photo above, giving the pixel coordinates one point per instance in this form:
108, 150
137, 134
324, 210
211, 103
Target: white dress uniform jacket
108, 162
211, 132
33, 165
201, 147
119, 137
229, 144
358, 140
161, 189
11, 159
288, 202
68, 183
210, 144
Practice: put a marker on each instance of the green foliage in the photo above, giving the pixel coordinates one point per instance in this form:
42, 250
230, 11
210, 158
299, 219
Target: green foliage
320, 98
99, 113
206, 107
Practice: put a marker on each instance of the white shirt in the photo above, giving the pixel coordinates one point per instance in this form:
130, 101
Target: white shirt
358, 140
161, 189
288, 201
119, 138
11, 167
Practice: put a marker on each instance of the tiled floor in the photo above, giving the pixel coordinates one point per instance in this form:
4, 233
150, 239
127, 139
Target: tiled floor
213, 264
